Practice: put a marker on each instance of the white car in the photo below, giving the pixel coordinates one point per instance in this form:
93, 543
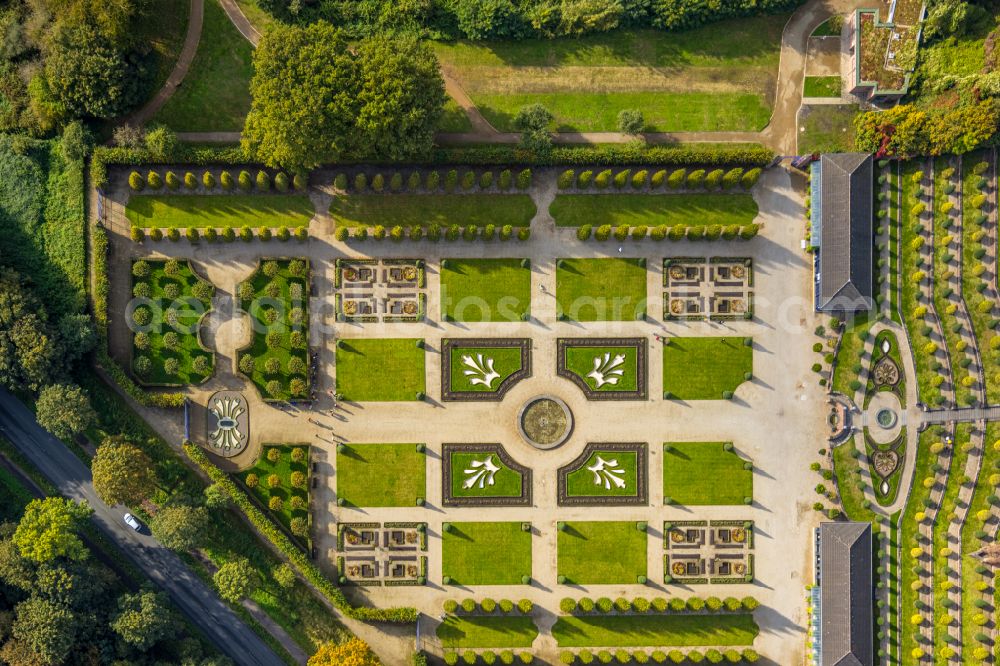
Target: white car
133, 522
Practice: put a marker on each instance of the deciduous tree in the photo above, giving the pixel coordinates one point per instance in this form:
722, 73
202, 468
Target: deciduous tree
123, 473
48, 530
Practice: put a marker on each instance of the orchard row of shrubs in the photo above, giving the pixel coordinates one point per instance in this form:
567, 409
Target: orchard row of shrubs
487, 657
586, 605
504, 606
298, 560
695, 179
673, 232
211, 234
262, 182
433, 182
434, 232
622, 656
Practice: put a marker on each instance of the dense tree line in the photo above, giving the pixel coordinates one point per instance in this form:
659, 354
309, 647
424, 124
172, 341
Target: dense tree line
907, 130
316, 100
513, 19
58, 604
68, 59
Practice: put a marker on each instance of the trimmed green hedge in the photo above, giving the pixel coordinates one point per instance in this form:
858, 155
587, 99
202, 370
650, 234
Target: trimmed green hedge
296, 558
741, 155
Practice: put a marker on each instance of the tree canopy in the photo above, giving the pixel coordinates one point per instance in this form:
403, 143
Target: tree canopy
908, 130
64, 410
354, 652
144, 619
122, 472
49, 528
179, 527
314, 100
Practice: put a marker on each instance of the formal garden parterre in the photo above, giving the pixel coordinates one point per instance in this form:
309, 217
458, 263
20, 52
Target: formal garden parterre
483, 368
277, 299
171, 301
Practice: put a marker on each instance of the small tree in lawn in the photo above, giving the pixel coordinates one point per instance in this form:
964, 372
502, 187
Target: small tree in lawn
533, 121
631, 121
235, 579
179, 527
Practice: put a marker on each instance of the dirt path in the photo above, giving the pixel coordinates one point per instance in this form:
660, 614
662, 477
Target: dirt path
241, 21
184, 60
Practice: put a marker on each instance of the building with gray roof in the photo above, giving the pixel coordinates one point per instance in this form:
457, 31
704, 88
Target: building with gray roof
844, 626
841, 219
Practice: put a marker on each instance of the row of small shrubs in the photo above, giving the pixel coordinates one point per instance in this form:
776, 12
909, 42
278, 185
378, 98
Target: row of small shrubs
673, 232
487, 657
712, 656
696, 179
211, 234
469, 606
263, 182
586, 605
433, 232
416, 182
299, 560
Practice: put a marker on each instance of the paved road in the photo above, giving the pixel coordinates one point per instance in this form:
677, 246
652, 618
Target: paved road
191, 595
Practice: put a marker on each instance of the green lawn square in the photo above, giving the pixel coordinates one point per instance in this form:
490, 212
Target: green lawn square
581, 482
371, 475
486, 553
702, 473
703, 368
475, 290
517, 631
384, 369
580, 360
655, 630
506, 361
506, 482
602, 553
219, 210
601, 289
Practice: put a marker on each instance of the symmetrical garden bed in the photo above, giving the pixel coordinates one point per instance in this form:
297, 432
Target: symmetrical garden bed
601, 289
604, 368
387, 290
483, 475
375, 554
705, 473
606, 474
706, 368
602, 553
486, 554
171, 301
276, 297
497, 290
701, 551
382, 369
483, 369
374, 475
279, 481
720, 288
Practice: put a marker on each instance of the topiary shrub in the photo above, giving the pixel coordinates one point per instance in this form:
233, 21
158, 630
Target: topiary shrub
226, 180
468, 180
136, 182
639, 179
190, 181
506, 179
524, 179
585, 179
244, 181
281, 181
378, 183
565, 179
603, 179
621, 178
